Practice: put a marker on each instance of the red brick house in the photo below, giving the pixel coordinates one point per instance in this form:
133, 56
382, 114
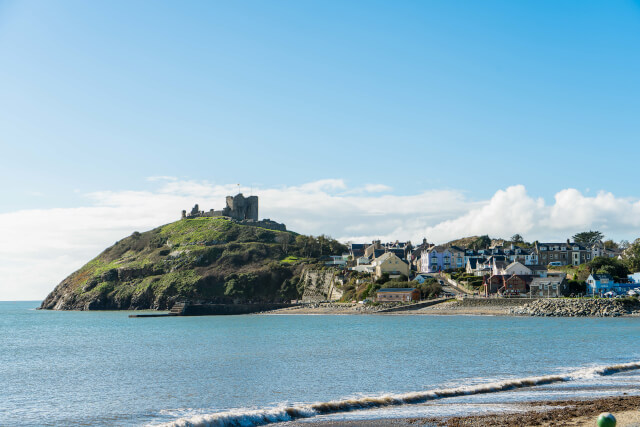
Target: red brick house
515, 285
492, 284
507, 285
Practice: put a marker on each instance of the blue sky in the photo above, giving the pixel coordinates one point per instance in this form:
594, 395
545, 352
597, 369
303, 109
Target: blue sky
358, 119
471, 96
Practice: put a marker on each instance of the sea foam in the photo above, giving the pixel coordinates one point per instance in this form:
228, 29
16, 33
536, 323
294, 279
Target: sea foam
249, 418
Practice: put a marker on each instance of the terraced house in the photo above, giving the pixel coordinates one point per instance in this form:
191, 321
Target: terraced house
390, 264
458, 259
564, 253
434, 259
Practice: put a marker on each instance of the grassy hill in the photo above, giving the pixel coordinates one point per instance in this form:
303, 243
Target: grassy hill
202, 259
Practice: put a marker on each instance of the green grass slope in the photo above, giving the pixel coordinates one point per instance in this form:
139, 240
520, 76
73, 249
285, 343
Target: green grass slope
203, 259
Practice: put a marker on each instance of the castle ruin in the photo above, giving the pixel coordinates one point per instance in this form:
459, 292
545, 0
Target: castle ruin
240, 209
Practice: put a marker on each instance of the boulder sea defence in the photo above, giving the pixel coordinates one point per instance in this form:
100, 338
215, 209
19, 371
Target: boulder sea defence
586, 307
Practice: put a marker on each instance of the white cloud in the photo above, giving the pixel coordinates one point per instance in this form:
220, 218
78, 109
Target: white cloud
376, 188
161, 178
41, 247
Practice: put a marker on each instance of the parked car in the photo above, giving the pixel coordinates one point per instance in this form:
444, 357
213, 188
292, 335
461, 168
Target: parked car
555, 263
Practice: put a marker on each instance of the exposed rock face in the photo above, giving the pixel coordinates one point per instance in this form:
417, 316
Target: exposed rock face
578, 308
320, 285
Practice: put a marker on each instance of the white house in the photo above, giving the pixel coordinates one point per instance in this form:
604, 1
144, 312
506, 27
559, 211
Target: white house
516, 268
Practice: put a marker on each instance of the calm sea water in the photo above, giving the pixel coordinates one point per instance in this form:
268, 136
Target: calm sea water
103, 368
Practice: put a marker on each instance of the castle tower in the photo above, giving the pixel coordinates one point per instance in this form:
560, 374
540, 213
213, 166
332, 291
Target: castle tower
241, 208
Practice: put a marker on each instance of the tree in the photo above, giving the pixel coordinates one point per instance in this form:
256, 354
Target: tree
610, 244
611, 266
577, 287
481, 242
284, 239
587, 237
516, 238
430, 288
632, 256
624, 244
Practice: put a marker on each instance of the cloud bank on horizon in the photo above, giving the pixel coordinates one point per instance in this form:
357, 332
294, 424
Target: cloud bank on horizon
41, 247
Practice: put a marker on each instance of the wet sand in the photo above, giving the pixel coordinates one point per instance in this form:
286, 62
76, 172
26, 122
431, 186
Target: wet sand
571, 413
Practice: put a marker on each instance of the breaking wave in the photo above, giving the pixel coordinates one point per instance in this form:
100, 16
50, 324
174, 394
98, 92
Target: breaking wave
260, 417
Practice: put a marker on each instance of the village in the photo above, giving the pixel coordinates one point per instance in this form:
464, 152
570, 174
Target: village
397, 270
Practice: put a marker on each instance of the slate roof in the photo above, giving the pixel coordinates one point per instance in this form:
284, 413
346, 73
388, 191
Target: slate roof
396, 290
550, 279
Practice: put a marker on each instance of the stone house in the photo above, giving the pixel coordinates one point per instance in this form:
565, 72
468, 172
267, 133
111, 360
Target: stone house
549, 287
564, 253
398, 295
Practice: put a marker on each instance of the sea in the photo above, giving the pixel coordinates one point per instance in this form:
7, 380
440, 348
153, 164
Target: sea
103, 368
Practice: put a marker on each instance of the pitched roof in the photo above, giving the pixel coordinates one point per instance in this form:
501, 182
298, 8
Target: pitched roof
377, 253
501, 264
396, 290
550, 279
385, 256
526, 278
518, 262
